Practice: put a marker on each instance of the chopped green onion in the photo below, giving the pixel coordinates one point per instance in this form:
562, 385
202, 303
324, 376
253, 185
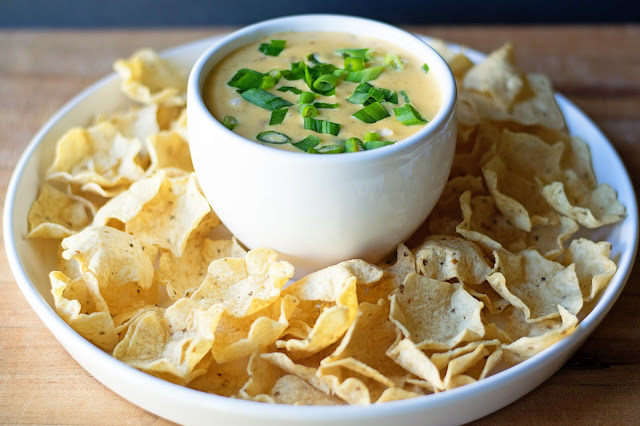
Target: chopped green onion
264, 99
390, 97
372, 113
408, 115
425, 67
229, 122
268, 82
311, 57
296, 72
322, 126
246, 79
274, 48
291, 89
363, 93
393, 61
406, 97
306, 98
276, 138
277, 116
364, 75
353, 145
353, 64
354, 53
308, 111
371, 136
308, 143
325, 83
325, 105
327, 149
376, 144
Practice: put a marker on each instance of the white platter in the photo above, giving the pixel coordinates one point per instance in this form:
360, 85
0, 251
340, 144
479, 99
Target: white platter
32, 260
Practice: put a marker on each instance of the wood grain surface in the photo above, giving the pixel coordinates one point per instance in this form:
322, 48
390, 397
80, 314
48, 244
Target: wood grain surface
598, 68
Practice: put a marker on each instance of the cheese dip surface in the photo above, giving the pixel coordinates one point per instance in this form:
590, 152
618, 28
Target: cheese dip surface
335, 92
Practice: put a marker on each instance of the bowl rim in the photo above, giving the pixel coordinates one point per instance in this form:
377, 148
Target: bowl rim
251, 33
75, 344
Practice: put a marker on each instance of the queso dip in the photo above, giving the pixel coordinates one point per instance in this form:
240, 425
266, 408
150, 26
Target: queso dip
269, 91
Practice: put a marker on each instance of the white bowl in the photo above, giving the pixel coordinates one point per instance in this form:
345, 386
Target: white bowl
31, 261
318, 210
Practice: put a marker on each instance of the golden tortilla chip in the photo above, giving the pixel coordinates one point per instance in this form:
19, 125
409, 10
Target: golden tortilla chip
244, 286
99, 155
436, 314
221, 379
457, 61
56, 214
80, 305
328, 305
590, 208
293, 390
169, 151
183, 275
529, 156
170, 346
395, 274
149, 79
443, 258
578, 158
496, 76
535, 285
114, 257
363, 346
397, 394
239, 337
406, 353
593, 266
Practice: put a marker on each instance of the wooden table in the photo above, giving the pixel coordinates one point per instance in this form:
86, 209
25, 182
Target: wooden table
596, 67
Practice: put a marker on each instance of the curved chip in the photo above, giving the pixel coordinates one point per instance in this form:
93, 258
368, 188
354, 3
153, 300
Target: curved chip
593, 266
246, 285
149, 79
56, 214
436, 314
535, 285
442, 257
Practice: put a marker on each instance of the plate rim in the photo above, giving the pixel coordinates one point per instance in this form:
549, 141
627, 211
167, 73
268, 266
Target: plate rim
70, 338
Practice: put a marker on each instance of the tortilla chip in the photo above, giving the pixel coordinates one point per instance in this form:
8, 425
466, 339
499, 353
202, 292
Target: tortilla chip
457, 61
80, 305
169, 151
444, 258
535, 285
496, 76
436, 314
56, 214
293, 390
114, 257
222, 379
149, 79
100, 155
170, 346
590, 208
244, 286
593, 266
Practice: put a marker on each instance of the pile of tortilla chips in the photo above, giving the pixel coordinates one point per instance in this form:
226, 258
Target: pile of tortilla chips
497, 280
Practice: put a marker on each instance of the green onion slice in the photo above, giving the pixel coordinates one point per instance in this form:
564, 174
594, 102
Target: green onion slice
393, 61
322, 126
327, 149
264, 99
325, 83
229, 122
408, 115
364, 75
365, 94
308, 111
371, 136
268, 82
353, 145
291, 89
355, 53
272, 137
306, 98
308, 143
296, 72
425, 67
406, 97
274, 48
353, 64
246, 79
376, 144
277, 116
311, 57
325, 105
372, 113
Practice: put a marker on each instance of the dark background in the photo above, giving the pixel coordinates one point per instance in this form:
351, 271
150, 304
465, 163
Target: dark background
157, 13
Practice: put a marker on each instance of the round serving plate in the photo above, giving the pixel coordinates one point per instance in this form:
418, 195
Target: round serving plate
31, 261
